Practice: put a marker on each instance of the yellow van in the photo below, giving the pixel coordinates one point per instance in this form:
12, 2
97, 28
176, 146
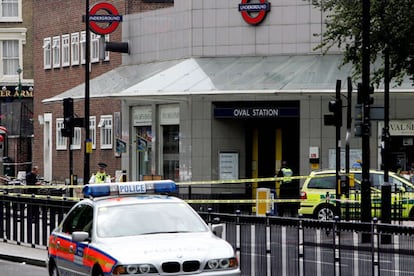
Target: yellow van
318, 195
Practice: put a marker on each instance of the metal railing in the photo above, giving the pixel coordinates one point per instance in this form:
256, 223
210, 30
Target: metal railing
267, 245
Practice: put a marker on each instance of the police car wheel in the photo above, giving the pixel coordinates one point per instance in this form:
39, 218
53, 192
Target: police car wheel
324, 212
411, 216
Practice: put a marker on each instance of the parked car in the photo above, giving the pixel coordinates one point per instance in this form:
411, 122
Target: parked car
318, 195
123, 229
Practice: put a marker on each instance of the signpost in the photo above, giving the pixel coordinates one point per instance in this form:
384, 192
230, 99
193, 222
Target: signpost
93, 22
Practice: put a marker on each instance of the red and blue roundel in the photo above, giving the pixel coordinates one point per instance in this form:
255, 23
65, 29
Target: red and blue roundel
254, 13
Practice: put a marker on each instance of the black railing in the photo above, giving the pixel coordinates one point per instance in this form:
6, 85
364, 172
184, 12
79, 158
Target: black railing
267, 245
29, 220
296, 246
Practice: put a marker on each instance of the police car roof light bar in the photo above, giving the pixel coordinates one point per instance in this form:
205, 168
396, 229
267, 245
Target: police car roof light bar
129, 188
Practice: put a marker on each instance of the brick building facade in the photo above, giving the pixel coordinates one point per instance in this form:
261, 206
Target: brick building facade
16, 84
54, 21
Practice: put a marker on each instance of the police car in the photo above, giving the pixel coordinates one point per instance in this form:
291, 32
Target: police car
134, 228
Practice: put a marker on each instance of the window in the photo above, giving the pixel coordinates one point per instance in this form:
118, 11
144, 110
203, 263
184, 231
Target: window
92, 131
95, 47
65, 50
10, 55
61, 142
11, 10
144, 149
83, 47
79, 219
56, 51
47, 53
106, 131
106, 58
74, 48
76, 140
171, 141
322, 182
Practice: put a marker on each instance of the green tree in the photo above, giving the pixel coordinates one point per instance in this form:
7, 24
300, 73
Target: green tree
392, 28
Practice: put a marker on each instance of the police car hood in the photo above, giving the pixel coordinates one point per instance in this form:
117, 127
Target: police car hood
168, 246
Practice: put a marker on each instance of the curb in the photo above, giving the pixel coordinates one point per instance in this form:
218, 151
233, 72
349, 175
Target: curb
26, 260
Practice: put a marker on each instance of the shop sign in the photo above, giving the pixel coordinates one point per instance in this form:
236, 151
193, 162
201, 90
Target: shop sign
13, 92
400, 127
254, 13
256, 112
112, 18
169, 115
142, 116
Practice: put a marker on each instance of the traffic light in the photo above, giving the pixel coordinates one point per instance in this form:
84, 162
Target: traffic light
336, 108
67, 130
67, 108
358, 119
360, 95
334, 119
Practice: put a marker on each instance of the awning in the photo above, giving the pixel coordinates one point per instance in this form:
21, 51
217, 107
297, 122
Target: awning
258, 74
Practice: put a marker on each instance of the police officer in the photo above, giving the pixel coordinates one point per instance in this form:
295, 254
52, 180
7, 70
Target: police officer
101, 176
32, 179
285, 189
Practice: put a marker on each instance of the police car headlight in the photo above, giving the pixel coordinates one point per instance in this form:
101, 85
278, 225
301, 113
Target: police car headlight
145, 268
212, 264
225, 263
135, 269
131, 269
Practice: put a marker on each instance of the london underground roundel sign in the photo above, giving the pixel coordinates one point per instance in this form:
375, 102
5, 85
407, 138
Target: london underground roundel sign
112, 18
254, 13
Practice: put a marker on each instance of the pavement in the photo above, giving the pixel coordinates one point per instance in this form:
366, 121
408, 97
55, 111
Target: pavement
23, 253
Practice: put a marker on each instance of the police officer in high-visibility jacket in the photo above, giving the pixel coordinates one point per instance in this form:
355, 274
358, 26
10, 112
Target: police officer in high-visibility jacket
100, 176
285, 193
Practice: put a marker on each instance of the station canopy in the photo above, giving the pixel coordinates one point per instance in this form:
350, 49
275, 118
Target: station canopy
221, 75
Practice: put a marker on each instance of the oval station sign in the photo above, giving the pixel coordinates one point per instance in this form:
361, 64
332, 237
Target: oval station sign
112, 17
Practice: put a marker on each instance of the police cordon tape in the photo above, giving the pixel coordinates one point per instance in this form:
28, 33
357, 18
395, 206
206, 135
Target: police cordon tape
190, 183
199, 201
190, 201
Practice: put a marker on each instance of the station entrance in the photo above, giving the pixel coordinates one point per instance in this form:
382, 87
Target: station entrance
269, 142
264, 133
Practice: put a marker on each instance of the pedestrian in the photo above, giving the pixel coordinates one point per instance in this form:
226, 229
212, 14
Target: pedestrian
32, 179
100, 176
286, 190
357, 164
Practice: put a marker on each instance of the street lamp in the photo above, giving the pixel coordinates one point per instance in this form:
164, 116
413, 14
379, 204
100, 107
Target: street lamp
19, 86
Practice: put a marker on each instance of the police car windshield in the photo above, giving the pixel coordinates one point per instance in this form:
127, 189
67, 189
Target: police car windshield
141, 219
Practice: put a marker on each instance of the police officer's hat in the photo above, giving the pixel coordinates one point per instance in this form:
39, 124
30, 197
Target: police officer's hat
102, 165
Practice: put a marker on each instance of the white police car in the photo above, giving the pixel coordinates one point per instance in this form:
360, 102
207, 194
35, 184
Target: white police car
122, 229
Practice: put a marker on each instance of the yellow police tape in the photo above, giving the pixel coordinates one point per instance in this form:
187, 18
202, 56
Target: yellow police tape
190, 183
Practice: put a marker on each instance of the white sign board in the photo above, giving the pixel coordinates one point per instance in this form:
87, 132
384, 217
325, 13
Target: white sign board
228, 165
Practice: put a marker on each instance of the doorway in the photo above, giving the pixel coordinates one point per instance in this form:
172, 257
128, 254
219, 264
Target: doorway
268, 142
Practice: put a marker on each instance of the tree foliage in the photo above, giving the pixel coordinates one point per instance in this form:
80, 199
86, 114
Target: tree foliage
392, 28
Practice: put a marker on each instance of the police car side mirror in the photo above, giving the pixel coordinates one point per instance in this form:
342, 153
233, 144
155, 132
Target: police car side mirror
80, 236
216, 220
217, 230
